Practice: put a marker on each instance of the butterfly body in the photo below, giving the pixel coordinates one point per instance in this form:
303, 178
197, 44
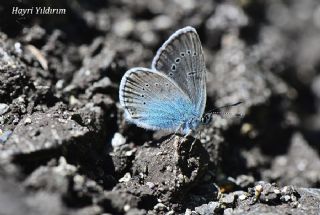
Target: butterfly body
172, 94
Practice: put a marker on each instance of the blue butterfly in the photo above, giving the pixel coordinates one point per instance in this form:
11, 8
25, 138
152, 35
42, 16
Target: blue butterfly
171, 95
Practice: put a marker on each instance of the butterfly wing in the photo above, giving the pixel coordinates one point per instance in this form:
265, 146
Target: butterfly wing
181, 59
153, 101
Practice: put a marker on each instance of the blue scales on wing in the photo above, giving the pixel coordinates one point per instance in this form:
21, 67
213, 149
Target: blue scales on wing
153, 101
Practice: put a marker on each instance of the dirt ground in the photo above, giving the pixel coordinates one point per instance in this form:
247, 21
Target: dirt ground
65, 147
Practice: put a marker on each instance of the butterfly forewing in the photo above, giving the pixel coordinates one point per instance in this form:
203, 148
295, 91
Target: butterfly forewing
151, 100
181, 59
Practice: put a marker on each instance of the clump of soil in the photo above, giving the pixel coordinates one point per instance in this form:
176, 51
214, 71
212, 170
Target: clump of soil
65, 147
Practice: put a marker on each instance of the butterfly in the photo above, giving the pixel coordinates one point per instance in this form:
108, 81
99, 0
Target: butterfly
172, 94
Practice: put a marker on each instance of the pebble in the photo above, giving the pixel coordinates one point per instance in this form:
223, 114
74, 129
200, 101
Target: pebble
78, 179
117, 140
246, 128
3, 108
169, 168
258, 189
228, 211
170, 212
295, 204
180, 178
242, 197
73, 100
126, 208
228, 199
60, 84
130, 152
210, 208
286, 198
126, 177
27, 121
159, 206
188, 212
284, 189
276, 191
150, 185
4, 136
17, 47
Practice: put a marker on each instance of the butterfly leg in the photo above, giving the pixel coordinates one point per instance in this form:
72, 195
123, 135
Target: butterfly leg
186, 135
194, 141
175, 133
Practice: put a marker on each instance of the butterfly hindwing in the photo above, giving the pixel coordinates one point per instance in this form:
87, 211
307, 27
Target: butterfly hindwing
153, 101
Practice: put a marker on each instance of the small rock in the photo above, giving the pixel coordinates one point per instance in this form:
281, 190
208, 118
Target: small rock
258, 189
285, 198
73, 100
284, 189
170, 212
117, 140
228, 200
125, 178
188, 212
159, 206
3, 108
150, 185
4, 136
126, 208
135, 211
17, 47
169, 168
27, 121
228, 211
211, 208
294, 198
60, 84
269, 197
78, 181
294, 204
180, 178
130, 152
276, 191
242, 197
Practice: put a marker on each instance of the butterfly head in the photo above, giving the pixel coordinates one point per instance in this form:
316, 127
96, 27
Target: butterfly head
206, 118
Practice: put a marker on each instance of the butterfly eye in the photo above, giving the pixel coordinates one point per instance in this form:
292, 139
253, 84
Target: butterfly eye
177, 60
170, 73
194, 53
206, 119
147, 85
189, 52
182, 54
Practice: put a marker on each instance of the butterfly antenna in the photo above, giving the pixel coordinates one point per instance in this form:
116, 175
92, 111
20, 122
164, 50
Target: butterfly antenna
225, 106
